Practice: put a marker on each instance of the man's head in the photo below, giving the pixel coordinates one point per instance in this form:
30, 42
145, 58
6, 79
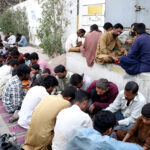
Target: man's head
15, 53
1, 46
46, 72
104, 122
94, 27
117, 30
132, 29
26, 56
23, 72
60, 71
69, 93
34, 58
18, 35
146, 114
13, 63
82, 100
102, 86
140, 28
108, 26
49, 82
131, 90
76, 80
81, 33
35, 68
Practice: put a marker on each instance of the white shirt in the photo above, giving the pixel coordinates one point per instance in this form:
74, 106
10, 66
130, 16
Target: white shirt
11, 40
86, 82
131, 112
31, 100
67, 120
5, 70
72, 41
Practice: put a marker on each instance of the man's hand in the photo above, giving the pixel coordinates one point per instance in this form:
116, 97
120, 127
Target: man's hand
129, 41
125, 53
114, 58
91, 108
145, 148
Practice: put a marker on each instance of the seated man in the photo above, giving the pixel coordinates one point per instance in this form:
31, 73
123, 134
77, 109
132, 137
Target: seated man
17, 55
140, 132
80, 81
26, 58
97, 139
103, 93
13, 92
40, 132
138, 58
23, 41
34, 58
3, 51
14, 64
127, 106
46, 72
108, 26
127, 37
109, 48
33, 98
88, 49
70, 118
74, 41
11, 39
37, 75
63, 76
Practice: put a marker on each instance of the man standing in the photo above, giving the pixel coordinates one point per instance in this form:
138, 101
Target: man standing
88, 49
74, 41
40, 132
70, 118
109, 48
103, 93
63, 76
138, 58
127, 106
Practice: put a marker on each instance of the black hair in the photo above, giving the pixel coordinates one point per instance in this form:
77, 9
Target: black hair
46, 70
107, 26
23, 69
140, 28
14, 72
76, 79
146, 110
26, 55
34, 56
49, 81
36, 66
81, 96
133, 24
104, 120
69, 91
132, 86
94, 27
13, 62
1, 45
82, 31
15, 52
118, 25
59, 69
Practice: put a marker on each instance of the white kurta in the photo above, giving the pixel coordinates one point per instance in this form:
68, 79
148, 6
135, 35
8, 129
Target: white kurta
11, 40
31, 100
5, 70
66, 121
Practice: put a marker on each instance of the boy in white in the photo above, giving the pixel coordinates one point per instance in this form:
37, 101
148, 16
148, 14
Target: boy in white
70, 118
33, 98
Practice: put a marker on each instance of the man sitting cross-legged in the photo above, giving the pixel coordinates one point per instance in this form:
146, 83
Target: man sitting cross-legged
40, 132
33, 98
97, 139
127, 106
70, 118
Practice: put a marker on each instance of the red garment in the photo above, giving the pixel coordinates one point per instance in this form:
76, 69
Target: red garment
20, 59
88, 49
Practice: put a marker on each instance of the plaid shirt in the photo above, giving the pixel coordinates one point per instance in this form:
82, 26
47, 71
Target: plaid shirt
13, 94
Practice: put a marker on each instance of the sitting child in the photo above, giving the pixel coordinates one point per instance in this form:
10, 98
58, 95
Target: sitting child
26, 58
37, 75
46, 72
140, 132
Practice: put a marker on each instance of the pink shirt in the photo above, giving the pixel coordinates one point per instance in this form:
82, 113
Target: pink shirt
43, 64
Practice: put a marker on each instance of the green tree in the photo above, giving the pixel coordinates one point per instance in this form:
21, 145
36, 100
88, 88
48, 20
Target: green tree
14, 20
52, 26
